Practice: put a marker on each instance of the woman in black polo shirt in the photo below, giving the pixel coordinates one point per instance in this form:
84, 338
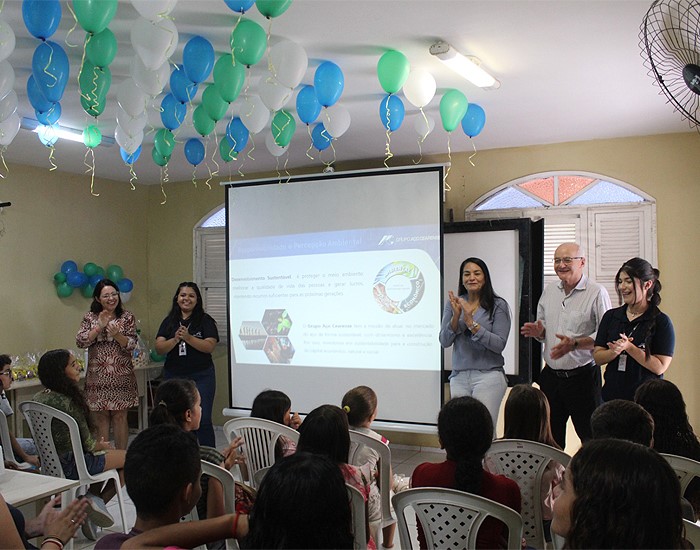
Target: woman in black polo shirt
636, 340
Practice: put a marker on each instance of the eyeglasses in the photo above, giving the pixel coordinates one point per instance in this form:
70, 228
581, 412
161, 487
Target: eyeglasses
6, 373
567, 260
109, 296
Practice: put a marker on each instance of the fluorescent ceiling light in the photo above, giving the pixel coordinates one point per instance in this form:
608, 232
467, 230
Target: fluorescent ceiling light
467, 67
61, 132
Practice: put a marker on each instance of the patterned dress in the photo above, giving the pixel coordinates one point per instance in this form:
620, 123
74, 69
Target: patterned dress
110, 382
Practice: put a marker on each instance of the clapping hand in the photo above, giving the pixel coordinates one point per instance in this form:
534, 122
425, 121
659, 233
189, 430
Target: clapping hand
618, 346
533, 330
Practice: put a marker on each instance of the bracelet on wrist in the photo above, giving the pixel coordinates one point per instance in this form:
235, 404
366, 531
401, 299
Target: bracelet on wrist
53, 540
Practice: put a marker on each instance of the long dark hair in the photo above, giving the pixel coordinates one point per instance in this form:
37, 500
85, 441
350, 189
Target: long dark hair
175, 316
271, 405
673, 433
52, 374
626, 496
359, 404
641, 270
325, 432
172, 400
487, 297
298, 488
465, 429
526, 416
96, 306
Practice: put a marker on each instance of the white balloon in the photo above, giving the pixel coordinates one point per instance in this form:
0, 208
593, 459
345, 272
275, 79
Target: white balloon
127, 142
154, 42
7, 78
9, 129
150, 81
419, 88
8, 105
336, 120
273, 94
132, 125
254, 114
289, 63
154, 9
125, 296
131, 98
423, 125
275, 150
7, 40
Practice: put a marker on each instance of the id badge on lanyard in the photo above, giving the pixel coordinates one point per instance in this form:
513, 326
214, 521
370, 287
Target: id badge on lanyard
183, 348
621, 362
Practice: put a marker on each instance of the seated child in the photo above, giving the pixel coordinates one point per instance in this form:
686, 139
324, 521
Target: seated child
276, 406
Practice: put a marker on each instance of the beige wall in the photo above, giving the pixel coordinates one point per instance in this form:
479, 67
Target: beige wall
54, 217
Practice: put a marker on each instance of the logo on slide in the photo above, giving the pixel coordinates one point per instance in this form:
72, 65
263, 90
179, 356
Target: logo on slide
398, 287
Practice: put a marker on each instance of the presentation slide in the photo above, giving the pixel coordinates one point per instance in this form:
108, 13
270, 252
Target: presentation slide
334, 283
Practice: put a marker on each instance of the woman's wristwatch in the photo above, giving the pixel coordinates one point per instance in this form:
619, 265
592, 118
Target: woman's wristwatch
473, 327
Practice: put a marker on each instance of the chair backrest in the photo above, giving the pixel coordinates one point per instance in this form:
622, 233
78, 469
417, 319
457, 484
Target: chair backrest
451, 518
260, 437
359, 515
259, 475
525, 462
359, 440
229, 488
5, 440
686, 469
692, 533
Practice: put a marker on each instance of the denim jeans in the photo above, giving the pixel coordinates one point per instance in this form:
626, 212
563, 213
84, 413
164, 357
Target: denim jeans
488, 386
206, 384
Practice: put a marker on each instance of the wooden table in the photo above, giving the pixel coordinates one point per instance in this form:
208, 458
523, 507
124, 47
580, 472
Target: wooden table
19, 488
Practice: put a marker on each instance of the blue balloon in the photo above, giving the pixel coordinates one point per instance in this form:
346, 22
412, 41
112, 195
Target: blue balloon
320, 137
308, 107
240, 6
194, 151
47, 136
36, 96
76, 279
41, 17
391, 111
172, 112
329, 83
198, 59
237, 134
474, 120
182, 87
50, 69
125, 285
68, 266
50, 116
94, 279
128, 159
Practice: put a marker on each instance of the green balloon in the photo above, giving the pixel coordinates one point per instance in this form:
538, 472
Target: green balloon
94, 15
213, 103
203, 123
453, 107
114, 273
229, 77
101, 48
159, 159
94, 84
59, 277
226, 151
248, 42
92, 136
100, 270
392, 70
272, 8
90, 269
164, 142
87, 290
64, 290
155, 357
283, 127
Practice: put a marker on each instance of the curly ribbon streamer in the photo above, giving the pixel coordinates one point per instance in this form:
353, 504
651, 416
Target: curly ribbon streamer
422, 138
286, 161
250, 152
162, 190
213, 158
194, 179
53, 164
474, 153
449, 166
91, 170
2, 156
233, 52
387, 151
132, 177
311, 142
277, 169
46, 68
75, 26
2, 5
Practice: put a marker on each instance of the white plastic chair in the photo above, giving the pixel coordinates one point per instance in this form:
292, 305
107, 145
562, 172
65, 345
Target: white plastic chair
260, 437
260, 474
451, 518
357, 441
229, 487
39, 417
6, 443
359, 517
692, 533
686, 469
525, 462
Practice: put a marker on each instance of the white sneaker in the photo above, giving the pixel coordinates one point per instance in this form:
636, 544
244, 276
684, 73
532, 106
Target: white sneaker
97, 512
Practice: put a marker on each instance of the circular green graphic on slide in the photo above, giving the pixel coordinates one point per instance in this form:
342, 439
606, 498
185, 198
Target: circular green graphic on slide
398, 287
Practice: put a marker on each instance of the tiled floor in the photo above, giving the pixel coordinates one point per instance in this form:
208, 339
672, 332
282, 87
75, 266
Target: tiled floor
404, 459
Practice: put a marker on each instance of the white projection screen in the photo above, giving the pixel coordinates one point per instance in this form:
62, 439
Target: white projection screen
334, 281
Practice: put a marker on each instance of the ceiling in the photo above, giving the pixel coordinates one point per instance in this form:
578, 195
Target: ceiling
569, 71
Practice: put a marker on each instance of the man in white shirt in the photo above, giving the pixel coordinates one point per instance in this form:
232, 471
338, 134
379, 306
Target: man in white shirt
568, 316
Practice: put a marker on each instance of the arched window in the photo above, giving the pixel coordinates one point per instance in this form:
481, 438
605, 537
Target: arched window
613, 220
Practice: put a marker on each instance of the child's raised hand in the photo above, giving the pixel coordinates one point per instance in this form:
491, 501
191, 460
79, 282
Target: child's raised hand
294, 421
